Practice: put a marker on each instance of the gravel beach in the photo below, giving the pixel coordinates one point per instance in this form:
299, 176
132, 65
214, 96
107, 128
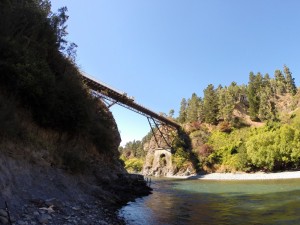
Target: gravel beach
244, 176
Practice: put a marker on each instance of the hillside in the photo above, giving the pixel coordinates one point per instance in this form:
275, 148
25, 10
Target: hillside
236, 128
58, 144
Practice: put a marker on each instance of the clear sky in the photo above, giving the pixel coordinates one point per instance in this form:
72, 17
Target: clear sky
161, 51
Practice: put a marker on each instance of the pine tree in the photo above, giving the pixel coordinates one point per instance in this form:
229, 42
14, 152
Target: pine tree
210, 105
242, 98
226, 102
266, 81
235, 91
290, 82
259, 80
182, 111
171, 113
200, 110
252, 94
280, 82
192, 108
266, 106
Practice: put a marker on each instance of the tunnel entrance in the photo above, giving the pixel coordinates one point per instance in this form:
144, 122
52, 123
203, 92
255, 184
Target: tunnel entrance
162, 160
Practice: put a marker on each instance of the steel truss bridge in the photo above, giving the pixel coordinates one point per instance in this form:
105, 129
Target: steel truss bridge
111, 96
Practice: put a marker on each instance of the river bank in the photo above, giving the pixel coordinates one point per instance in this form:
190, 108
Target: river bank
243, 176
41, 194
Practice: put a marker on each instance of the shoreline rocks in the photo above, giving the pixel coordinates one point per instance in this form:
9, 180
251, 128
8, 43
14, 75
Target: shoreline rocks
44, 195
4, 217
66, 213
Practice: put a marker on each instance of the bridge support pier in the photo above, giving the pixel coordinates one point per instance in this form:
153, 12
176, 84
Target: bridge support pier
158, 162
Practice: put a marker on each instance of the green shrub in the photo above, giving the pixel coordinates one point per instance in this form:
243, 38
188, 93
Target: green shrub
134, 165
274, 149
180, 157
229, 149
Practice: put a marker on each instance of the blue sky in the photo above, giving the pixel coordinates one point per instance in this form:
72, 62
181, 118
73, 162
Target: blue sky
160, 51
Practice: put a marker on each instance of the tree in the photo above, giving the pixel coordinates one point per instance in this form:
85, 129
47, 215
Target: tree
171, 113
266, 106
280, 82
275, 148
192, 108
201, 115
210, 105
252, 94
266, 81
290, 82
261, 150
226, 102
267, 110
182, 111
234, 91
133, 149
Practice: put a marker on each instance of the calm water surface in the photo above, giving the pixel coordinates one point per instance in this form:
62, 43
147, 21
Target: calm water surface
217, 202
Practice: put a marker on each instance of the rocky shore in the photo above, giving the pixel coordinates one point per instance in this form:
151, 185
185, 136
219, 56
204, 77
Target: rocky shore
57, 212
53, 211
38, 194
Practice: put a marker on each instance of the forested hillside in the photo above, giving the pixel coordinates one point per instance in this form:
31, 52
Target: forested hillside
247, 127
260, 99
38, 73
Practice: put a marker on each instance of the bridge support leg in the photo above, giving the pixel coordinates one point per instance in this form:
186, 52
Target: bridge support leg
160, 132
153, 131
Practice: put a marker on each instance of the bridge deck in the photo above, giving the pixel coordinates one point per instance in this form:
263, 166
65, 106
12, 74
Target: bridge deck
124, 100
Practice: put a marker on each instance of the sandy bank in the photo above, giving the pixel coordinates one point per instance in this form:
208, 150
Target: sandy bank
244, 176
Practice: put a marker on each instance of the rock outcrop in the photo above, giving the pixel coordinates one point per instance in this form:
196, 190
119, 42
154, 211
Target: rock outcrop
158, 163
160, 157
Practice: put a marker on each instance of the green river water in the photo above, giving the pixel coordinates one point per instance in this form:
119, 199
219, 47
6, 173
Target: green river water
217, 202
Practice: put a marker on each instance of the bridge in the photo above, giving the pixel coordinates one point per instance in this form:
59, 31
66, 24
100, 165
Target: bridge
113, 96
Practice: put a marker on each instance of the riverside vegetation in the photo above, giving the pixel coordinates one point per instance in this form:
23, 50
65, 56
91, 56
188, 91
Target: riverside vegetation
59, 159
245, 128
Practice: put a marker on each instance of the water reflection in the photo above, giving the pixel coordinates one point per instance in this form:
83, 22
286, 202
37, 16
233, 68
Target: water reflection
215, 202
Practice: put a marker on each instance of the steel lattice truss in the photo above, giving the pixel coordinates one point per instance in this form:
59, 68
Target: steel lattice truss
112, 96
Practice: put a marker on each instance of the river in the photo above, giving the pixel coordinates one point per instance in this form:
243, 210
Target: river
217, 202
